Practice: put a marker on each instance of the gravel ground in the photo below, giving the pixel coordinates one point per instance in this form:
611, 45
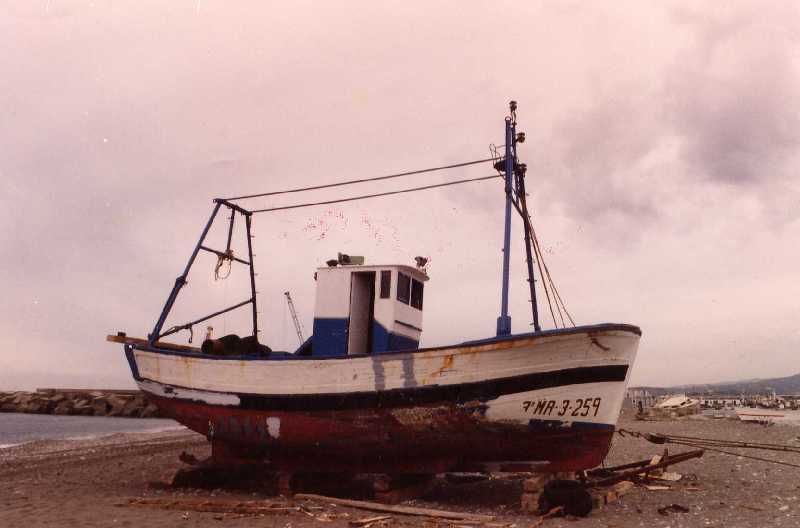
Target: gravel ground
82, 483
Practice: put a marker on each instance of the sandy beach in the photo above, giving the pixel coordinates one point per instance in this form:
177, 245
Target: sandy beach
90, 483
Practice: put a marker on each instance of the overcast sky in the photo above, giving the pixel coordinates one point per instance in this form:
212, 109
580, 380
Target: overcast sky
662, 152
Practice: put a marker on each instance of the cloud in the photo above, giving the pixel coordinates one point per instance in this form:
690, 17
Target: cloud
717, 107
661, 153
734, 93
601, 151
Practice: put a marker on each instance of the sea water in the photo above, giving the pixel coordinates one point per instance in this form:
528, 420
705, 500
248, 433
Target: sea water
18, 428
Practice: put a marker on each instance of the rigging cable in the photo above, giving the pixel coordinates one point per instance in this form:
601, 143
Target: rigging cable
539, 260
559, 301
552, 287
361, 180
545, 273
736, 443
365, 196
714, 445
558, 295
550, 279
539, 257
761, 459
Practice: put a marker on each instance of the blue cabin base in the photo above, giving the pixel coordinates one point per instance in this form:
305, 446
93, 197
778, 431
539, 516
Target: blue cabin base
330, 339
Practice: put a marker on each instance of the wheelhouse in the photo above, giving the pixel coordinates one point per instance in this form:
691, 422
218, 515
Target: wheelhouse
366, 310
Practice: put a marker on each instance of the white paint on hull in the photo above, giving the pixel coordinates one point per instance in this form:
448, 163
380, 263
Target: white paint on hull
210, 398
747, 414
378, 372
274, 427
571, 403
212, 381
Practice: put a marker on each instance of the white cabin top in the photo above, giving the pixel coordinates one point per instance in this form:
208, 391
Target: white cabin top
367, 309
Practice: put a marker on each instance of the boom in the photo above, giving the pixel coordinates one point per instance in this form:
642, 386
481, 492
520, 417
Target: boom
297, 327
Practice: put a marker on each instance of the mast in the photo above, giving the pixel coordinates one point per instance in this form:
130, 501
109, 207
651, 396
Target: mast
514, 174
526, 222
504, 321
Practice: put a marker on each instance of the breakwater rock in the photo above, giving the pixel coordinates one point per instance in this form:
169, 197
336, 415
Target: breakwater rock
83, 402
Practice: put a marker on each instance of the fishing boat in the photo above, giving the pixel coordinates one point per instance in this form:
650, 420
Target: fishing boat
360, 395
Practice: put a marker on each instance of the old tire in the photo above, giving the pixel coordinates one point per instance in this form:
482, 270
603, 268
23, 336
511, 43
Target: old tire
567, 493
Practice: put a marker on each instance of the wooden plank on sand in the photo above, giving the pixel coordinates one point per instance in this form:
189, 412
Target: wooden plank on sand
403, 510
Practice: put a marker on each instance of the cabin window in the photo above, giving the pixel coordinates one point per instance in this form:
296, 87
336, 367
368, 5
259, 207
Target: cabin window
416, 294
386, 283
403, 288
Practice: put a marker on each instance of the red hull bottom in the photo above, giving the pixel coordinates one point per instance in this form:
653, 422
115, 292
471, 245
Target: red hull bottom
432, 439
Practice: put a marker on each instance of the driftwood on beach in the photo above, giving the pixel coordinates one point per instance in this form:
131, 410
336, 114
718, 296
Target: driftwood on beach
81, 402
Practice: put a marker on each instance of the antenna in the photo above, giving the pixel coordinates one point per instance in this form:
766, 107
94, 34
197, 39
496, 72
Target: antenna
297, 327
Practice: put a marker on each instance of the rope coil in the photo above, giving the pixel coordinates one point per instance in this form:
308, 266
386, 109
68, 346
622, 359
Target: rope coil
227, 256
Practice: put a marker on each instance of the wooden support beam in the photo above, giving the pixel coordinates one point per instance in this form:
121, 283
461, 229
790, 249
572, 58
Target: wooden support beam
125, 340
625, 475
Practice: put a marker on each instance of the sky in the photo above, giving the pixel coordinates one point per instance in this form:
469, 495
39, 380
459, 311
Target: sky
662, 154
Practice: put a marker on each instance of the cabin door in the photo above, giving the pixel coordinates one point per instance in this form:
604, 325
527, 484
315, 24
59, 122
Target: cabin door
362, 309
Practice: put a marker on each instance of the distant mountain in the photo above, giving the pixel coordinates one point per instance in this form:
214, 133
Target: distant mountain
787, 385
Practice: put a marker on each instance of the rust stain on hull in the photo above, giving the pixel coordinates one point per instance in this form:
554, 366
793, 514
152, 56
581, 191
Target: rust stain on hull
422, 439
447, 364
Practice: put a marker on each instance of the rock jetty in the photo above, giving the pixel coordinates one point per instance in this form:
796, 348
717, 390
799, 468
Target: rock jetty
81, 402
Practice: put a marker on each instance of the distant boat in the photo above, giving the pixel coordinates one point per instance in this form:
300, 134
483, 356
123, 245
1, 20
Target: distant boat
360, 395
757, 415
679, 403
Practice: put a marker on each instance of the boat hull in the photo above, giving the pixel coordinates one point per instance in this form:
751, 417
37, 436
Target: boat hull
431, 439
758, 415
550, 399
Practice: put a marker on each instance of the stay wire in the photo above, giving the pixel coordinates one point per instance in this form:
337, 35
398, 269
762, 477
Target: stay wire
537, 258
714, 445
735, 443
547, 287
538, 254
552, 283
360, 180
731, 453
559, 302
375, 195
547, 278
558, 296
558, 305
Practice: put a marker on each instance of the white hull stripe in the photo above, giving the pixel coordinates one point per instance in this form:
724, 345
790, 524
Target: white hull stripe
409, 397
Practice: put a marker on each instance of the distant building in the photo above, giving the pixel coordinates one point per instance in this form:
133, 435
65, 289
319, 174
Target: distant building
641, 397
